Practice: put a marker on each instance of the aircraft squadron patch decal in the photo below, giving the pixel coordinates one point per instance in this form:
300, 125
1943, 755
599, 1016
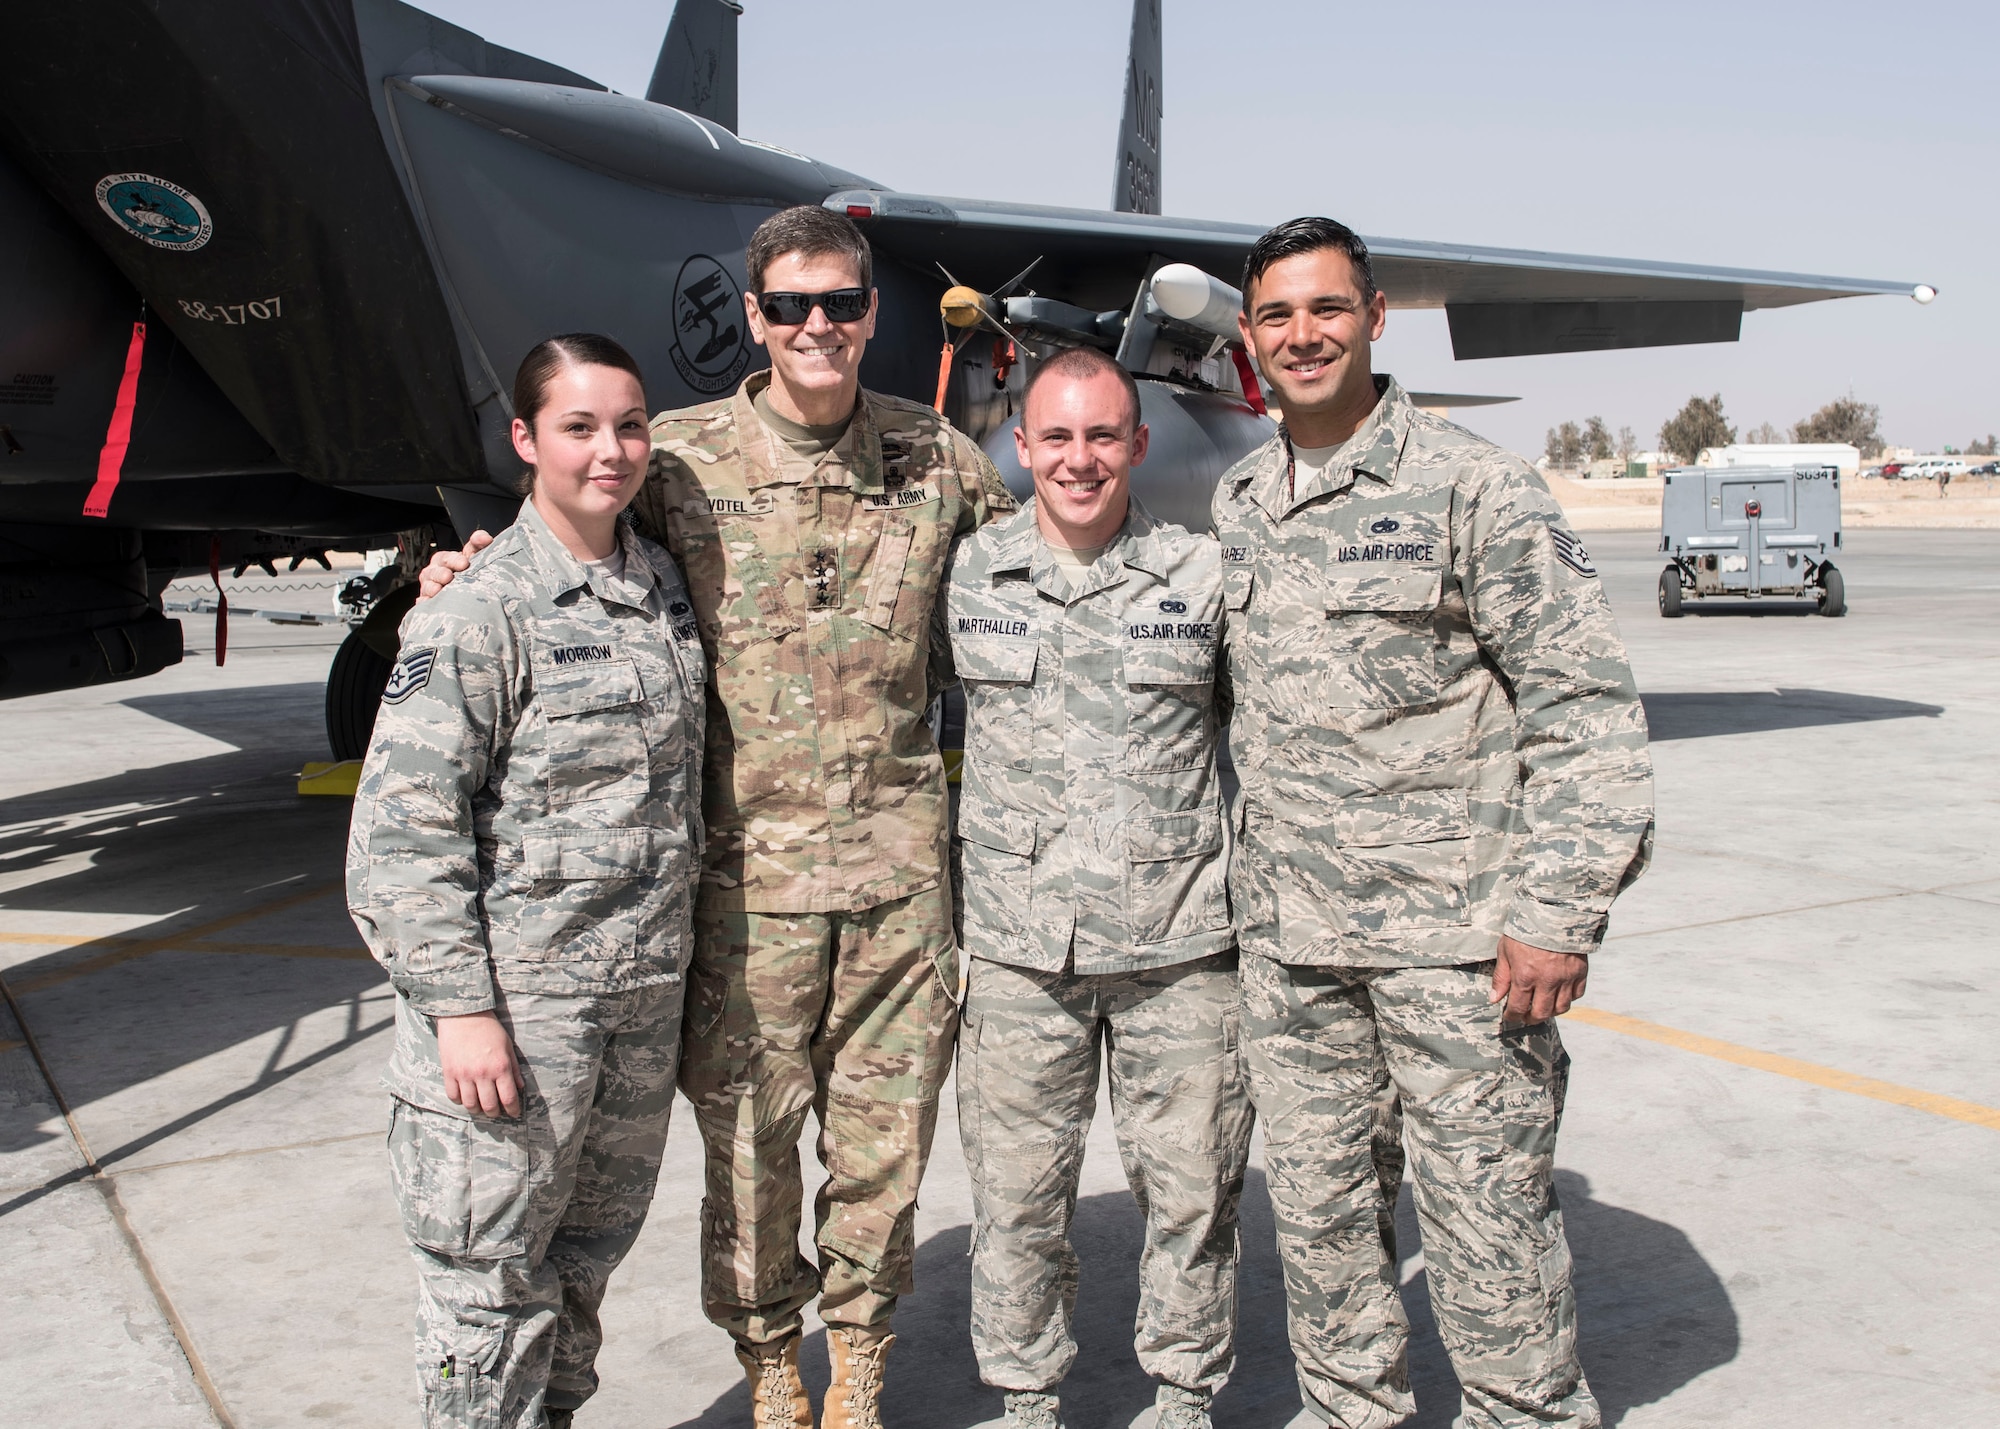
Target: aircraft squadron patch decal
1570, 551
411, 674
711, 346
155, 211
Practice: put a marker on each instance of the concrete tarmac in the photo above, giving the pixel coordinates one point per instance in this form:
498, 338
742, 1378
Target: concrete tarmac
1777, 1165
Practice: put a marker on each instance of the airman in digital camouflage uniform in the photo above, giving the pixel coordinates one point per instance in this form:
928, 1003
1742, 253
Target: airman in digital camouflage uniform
1445, 782
522, 860
1090, 865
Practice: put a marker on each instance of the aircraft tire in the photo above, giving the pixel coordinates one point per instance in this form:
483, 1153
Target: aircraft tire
1832, 592
1670, 592
353, 693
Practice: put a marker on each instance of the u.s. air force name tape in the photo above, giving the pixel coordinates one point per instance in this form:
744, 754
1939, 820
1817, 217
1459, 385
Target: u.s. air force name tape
1570, 551
411, 674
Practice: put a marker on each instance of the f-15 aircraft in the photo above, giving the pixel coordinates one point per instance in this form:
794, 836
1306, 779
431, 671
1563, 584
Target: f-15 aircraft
267, 271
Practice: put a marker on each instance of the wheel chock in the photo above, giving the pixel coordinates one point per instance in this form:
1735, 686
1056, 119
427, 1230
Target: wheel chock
338, 780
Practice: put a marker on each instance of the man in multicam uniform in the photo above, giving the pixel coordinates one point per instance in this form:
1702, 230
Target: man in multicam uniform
813, 521
1090, 863
825, 974
1445, 783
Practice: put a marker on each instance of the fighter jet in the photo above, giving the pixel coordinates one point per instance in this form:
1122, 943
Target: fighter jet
267, 271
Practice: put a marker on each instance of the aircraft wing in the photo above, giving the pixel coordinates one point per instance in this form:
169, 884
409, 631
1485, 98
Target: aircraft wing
1500, 302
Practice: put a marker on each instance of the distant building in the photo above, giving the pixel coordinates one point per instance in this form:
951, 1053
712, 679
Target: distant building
1836, 454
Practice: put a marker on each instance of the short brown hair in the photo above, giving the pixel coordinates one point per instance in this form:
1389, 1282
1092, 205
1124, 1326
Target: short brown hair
1080, 364
1308, 235
811, 232
553, 355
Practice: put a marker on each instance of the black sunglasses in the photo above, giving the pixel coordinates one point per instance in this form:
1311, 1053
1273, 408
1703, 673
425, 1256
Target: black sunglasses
842, 305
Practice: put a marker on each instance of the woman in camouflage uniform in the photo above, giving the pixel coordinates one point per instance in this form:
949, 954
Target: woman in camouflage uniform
524, 846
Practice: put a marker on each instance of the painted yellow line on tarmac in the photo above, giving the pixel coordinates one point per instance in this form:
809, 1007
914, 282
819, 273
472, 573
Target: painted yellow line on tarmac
1831, 1078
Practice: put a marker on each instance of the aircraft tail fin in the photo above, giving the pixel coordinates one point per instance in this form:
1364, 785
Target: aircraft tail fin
1135, 184
696, 70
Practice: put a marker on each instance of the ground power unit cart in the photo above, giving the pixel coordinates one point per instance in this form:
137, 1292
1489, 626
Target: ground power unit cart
1751, 531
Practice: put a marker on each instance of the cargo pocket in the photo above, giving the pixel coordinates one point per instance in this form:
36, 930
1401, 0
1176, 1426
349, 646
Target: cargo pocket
999, 680
463, 1183
1175, 876
1382, 647
585, 902
1169, 690
707, 999
1404, 860
462, 1383
996, 850
596, 732
950, 973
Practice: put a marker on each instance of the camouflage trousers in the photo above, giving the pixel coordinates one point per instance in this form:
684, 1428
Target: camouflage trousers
851, 1016
1480, 1107
1027, 1089
516, 1225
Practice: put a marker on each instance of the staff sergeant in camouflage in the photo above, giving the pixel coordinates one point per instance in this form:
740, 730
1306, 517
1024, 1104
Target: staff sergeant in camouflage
1445, 784
522, 860
1090, 866
813, 520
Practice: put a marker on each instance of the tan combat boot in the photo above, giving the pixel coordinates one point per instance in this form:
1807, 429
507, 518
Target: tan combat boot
777, 1396
854, 1399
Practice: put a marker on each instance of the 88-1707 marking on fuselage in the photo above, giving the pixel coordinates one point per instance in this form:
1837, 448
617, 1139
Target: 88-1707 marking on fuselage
261, 310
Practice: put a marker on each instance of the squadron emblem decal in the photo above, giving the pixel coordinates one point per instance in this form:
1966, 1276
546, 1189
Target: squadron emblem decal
711, 345
411, 674
155, 211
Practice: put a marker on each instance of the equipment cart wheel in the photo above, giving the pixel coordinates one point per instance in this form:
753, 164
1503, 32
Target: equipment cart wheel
1832, 592
1670, 592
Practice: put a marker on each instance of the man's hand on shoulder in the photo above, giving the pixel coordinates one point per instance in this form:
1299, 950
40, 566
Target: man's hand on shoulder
445, 565
1535, 983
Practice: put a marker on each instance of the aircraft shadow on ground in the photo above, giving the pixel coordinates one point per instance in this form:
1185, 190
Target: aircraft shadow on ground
1654, 1315
1697, 716
197, 840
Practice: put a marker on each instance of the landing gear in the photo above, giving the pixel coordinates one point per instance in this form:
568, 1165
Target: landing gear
1670, 592
353, 691
360, 671
1832, 591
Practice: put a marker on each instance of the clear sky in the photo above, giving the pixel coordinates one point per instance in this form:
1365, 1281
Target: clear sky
1831, 137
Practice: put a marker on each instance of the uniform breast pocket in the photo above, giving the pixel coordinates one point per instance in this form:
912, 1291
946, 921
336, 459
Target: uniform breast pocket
999, 680
589, 898
596, 732
1382, 644
1169, 691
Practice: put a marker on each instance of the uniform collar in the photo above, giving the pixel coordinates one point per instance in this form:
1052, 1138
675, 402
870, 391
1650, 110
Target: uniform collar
561, 572
1021, 547
854, 462
1375, 450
